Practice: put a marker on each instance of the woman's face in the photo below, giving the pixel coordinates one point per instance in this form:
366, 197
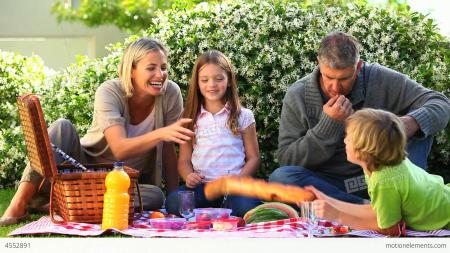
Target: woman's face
150, 74
212, 82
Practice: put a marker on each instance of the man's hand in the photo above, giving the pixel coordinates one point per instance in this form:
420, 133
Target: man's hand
338, 108
411, 126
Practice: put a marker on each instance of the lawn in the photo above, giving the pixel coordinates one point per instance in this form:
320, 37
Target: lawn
5, 197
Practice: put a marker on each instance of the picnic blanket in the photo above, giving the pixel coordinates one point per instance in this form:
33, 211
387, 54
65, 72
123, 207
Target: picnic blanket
289, 228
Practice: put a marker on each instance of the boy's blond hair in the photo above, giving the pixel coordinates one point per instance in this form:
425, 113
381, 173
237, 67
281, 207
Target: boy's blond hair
378, 137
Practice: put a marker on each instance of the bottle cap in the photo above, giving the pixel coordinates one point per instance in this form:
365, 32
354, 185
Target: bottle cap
118, 164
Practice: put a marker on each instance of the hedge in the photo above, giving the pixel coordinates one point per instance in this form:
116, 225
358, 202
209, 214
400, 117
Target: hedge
271, 45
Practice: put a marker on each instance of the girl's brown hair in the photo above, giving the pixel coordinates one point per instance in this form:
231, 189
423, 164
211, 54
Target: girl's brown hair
195, 98
378, 137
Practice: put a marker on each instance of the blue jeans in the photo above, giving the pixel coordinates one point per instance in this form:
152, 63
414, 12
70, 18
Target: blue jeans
338, 186
239, 205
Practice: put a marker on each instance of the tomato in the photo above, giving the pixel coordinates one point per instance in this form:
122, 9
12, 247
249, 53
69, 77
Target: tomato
343, 229
157, 214
241, 222
203, 217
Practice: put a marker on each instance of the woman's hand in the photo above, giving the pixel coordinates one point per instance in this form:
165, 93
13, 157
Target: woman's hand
194, 179
176, 132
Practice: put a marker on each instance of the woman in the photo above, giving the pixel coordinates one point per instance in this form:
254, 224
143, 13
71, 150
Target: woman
135, 121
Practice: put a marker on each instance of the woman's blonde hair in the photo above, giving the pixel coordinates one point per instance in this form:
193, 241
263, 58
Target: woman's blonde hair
378, 137
195, 98
134, 52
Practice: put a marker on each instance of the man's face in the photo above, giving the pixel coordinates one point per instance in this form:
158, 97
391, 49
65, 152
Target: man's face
337, 81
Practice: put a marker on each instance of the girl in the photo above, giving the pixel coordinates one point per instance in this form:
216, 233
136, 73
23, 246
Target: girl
225, 141
399, 190
135, 120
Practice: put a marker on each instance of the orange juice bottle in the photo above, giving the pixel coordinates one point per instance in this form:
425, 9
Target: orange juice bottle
116, 200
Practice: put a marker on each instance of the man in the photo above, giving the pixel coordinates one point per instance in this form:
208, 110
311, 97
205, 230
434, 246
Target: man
310, 142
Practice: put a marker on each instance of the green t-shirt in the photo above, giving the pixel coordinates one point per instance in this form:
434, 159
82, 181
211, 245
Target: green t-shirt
407, 192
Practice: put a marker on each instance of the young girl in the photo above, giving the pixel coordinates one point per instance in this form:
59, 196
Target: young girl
225, 141
399, 190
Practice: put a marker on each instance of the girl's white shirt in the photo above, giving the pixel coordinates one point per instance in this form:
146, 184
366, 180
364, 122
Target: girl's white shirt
217, 151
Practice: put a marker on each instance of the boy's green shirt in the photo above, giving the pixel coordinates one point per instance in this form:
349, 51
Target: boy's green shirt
407, 192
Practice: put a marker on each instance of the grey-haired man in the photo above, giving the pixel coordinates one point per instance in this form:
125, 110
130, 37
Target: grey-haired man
311, 148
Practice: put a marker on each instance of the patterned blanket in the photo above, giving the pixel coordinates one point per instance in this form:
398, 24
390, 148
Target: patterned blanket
289, 228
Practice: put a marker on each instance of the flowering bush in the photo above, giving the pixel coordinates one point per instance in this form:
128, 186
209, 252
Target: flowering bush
271, 45
18, 74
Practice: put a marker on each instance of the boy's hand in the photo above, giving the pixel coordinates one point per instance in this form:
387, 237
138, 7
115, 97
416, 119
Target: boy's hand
194, 179
324, 210
322, 205
319, 195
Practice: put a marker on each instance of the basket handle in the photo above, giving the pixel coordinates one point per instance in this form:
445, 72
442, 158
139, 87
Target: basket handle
141, 208
52, 213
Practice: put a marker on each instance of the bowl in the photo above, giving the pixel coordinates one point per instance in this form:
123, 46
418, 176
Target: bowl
209, 214
198, 225
228, 224
168, 223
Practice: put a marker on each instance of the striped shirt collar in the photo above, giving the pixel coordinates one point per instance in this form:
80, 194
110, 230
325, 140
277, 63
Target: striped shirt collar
225, 109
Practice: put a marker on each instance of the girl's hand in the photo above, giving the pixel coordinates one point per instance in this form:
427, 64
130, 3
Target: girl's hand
194, 179
176, 132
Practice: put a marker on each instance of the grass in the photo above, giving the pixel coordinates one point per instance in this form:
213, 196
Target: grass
5, 197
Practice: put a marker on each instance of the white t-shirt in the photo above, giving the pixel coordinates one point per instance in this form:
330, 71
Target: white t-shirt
140, 162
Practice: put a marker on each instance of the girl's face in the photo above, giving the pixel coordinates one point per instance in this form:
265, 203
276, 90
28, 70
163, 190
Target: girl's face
213, 83
351, 154
150, 73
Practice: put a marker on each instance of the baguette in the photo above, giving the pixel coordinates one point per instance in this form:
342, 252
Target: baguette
256, 188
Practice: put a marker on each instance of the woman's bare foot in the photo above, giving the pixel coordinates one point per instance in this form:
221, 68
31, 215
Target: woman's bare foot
17, 209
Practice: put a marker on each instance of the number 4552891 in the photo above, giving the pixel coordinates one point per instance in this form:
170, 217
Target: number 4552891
17, 245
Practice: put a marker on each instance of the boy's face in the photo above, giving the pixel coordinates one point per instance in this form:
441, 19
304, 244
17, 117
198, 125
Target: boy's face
351, 154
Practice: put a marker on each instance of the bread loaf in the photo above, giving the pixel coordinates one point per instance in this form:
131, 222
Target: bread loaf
256, 188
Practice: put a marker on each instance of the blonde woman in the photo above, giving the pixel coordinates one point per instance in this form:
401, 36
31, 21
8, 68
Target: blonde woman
135, 120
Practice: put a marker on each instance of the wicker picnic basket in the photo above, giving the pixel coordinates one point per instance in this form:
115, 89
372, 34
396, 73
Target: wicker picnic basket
76, 196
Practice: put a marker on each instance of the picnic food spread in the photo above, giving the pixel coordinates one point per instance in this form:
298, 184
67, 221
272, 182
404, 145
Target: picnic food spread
208, 214
270, 212
168, 223
227, 224
256, 188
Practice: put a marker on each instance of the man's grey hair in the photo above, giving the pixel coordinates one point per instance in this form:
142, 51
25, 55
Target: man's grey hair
339, 50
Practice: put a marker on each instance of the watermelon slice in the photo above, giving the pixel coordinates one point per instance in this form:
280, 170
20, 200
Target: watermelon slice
291, 212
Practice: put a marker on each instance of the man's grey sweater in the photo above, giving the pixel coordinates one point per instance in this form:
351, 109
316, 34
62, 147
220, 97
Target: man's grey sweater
309, 138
